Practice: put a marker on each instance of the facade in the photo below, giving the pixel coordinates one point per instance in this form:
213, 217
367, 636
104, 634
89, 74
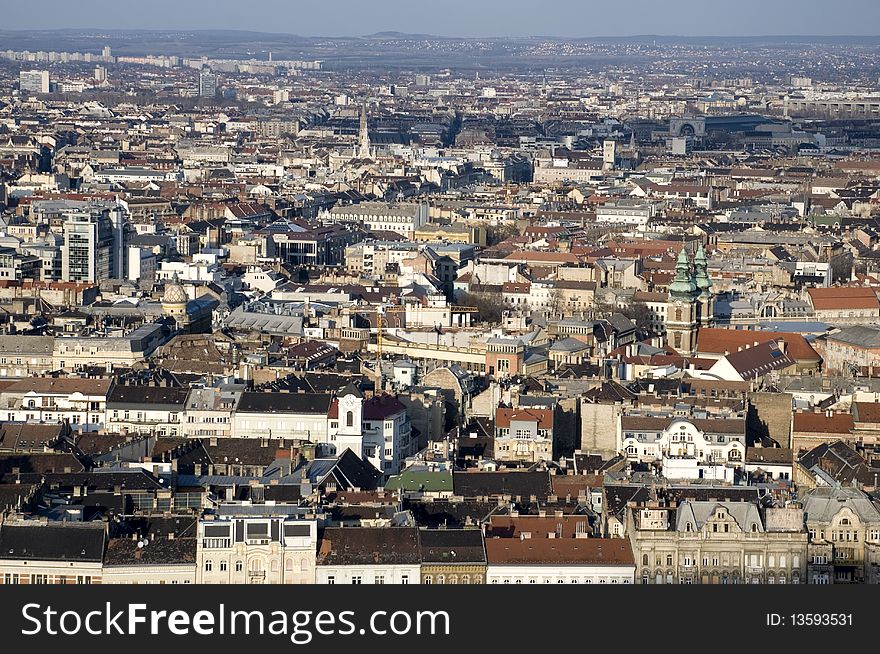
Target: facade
95, 245
369, 555
705, 542
452, 556
400, 218
708, 441
153, 410
844, 529
256, 550
302, 416
524, 435
559, 561
39, 553
34, 81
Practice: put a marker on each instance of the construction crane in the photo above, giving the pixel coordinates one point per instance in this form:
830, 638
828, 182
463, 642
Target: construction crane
380, 327
382, 312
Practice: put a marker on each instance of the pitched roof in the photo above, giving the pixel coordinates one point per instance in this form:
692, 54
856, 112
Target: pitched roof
492, 484
62, 542
718, 341
369, 546
844, 297
557, 551
503, 417
452, 546
820, 423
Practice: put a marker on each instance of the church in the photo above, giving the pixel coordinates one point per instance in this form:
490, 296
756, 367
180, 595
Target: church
691, 302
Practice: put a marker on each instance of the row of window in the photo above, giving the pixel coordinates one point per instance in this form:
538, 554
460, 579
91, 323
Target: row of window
546, 580
256, 565
13, 578
358, 580
752, 560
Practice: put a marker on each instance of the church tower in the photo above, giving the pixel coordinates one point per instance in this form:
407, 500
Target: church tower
706, 298
363, 136
681, 309
350, 431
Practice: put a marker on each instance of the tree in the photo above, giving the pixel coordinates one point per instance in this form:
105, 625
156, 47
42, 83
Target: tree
489, 306
497, 233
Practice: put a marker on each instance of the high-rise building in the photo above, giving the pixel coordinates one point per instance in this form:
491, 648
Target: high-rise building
34, 81
107, 52
207, 83
100, 74
94, 244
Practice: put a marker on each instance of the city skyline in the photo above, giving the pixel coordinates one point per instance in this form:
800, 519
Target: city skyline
564, 19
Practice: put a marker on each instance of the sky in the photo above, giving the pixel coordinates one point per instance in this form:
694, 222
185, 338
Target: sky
467, 18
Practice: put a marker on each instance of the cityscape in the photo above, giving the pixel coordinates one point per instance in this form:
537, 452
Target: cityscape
414, 309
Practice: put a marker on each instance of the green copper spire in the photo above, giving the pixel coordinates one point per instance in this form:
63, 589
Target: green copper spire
701, 273
683, 287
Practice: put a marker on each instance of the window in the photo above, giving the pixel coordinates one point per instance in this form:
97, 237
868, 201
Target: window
331, 579
356, 580
239, 566
349, 419
209, 565
380, 580
222, 566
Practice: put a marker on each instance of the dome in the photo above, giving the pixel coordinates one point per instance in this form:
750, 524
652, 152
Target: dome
174, 294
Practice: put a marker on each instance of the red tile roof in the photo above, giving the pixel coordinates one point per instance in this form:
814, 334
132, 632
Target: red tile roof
718, 341
820, 423
555, 551
844, 297
544, 417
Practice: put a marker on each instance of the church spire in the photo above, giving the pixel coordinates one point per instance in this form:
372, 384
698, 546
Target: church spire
683, 286
701, 273
364, 136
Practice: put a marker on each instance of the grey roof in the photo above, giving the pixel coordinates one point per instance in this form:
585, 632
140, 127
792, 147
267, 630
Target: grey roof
27, 345
698, 513
866, 336
569, 345
822, 504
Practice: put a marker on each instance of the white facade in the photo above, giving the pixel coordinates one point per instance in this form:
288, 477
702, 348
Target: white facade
368, 574
256, 550
680, 439
560, 574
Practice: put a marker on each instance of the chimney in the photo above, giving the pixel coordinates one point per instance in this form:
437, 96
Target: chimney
783, 346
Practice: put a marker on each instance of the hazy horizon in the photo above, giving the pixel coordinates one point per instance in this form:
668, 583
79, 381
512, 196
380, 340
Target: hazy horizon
462, 19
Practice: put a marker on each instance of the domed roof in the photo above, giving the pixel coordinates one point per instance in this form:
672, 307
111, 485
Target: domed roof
174, 294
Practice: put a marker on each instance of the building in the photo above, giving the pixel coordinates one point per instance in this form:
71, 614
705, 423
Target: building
38, 553
369, 555
95, 245
845, 305
524, 435
452, 556
403, 218
302, 416
155, 410
709, 441
34, 81
268, 549
844, 528
559, 561
706, 542
853, 350
208, 83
